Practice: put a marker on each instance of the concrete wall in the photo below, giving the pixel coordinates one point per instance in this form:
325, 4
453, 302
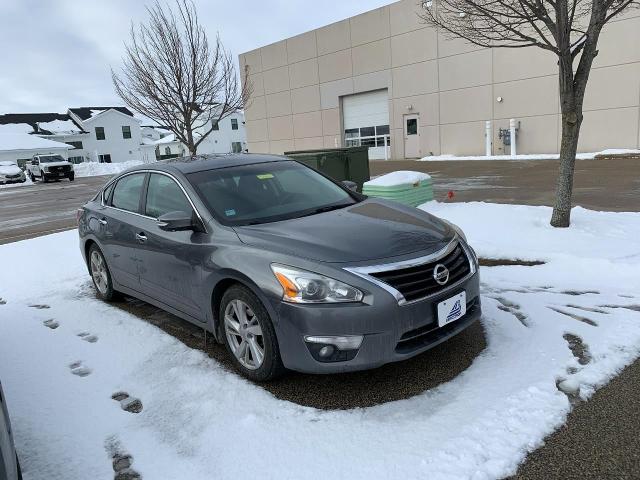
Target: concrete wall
453, 85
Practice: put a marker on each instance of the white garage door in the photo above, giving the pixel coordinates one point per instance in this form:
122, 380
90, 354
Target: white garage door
366, 121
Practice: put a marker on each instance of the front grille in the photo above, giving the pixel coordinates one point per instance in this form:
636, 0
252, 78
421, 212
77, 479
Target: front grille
60, 169
17, 175
417, 282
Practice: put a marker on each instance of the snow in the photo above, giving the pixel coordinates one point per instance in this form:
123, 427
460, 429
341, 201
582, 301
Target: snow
13, 128
199, 419
91, 169
24, 141
60, 127
532, 156
400, 177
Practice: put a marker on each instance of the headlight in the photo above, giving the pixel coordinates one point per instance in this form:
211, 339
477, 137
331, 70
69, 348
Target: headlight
301, 286
456, 228
46, 169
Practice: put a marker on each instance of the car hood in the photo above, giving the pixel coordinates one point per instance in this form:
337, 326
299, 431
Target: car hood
370, 230
9, 170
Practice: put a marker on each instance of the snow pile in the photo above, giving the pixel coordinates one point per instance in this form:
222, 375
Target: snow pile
92, 169
533, 156
60, 127
196, 414
400, 177
25, 141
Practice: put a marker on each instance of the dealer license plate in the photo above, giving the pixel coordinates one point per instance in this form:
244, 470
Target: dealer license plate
452, 309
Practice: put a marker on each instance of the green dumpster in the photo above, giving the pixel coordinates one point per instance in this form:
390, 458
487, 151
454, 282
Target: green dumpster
410, 188
351, 163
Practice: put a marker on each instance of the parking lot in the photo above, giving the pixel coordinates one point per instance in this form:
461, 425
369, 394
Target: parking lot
41, 209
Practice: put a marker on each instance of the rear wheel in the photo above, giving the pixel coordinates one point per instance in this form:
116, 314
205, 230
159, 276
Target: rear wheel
249, 335
31, 177
100, 274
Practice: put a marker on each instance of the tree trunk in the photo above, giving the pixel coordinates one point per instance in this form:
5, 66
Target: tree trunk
571, 122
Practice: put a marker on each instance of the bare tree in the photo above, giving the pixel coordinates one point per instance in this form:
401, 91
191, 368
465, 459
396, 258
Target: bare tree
568, 28
173, 76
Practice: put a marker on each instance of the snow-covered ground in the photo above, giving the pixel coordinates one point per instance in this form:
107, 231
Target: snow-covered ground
92, 169
200, 421
533, 156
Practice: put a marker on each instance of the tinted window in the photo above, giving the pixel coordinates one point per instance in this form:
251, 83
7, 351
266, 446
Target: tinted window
126, 194
267, 192
164, 196
107, 192
51, 159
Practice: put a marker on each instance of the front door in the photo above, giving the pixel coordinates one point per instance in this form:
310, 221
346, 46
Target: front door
170, 262
411, 136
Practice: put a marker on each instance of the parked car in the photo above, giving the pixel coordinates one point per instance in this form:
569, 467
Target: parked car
50, 167
287, 268
9, 465
10, 172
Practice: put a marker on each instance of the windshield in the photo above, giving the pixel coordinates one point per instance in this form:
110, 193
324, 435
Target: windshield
51, 159
267, 192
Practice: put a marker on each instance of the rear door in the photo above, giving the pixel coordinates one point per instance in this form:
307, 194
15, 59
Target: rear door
170, 262
119, 221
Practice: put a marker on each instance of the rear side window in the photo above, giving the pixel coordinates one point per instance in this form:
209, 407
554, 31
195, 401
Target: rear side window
164, 196
106, 193
126, 193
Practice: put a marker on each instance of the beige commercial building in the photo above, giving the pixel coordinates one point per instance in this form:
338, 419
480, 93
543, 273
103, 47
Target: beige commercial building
384, 78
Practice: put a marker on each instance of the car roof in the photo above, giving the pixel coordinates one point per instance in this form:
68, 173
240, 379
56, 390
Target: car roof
199, 163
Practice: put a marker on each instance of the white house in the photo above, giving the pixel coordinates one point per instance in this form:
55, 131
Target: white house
161, 142
229, 137
112, 134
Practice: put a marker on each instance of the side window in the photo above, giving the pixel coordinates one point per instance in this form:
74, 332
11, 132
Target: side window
164, 196
100, 133
106, 193
126, 193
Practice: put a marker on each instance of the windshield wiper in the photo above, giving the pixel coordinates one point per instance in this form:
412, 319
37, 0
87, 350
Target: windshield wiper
326, 208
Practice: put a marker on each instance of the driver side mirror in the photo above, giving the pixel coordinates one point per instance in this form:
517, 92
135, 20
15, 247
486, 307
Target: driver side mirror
353, 186
177, 221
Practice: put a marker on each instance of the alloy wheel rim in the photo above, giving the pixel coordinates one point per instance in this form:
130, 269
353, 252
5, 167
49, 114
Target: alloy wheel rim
244, 334
99, 272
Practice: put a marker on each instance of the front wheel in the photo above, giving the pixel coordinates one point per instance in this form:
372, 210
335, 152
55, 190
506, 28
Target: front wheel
72, 177
100, 274
43, 178
249, 335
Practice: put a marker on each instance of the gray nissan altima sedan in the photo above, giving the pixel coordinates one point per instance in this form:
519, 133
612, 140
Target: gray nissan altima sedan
286, 267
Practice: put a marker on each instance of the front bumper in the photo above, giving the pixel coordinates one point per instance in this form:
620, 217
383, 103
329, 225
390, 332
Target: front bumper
392, 332
6, 180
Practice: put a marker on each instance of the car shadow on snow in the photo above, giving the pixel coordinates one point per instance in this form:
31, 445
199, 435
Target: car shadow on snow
395, 381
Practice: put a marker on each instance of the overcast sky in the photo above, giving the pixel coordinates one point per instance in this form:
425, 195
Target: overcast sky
58, 53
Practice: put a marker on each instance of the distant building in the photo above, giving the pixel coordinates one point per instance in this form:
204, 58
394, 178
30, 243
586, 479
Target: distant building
384, 76
111, 135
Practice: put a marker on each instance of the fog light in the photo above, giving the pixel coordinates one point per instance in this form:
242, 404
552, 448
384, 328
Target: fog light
326, 351
346, 342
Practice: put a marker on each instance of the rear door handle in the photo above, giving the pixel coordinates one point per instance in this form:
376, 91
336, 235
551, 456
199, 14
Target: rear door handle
102, 221
141, 237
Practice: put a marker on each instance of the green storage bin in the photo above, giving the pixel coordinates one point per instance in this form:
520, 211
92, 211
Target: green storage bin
411, 193
350, 163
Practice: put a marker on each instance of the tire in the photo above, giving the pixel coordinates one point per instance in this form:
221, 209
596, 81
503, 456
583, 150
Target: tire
31, 177
72, 177
101, 277
43, 178
271, 366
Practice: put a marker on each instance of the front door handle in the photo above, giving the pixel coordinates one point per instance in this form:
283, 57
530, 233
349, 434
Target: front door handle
102, 221
141, 237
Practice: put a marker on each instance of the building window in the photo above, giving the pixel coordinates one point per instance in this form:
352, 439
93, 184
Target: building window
100, 133
77, 145
234, 124
367, 136
167, 151
76, 160
215, 126
126, 131
236, 147
104, 158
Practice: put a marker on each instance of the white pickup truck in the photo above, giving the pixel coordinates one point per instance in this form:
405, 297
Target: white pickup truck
50, 167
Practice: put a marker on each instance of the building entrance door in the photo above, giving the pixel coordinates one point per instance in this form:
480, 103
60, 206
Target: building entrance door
411, 136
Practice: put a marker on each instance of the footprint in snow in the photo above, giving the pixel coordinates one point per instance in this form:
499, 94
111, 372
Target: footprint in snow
77, 368
39, 306
128, 403
51, 323
121, 461
87, 337
2, 301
